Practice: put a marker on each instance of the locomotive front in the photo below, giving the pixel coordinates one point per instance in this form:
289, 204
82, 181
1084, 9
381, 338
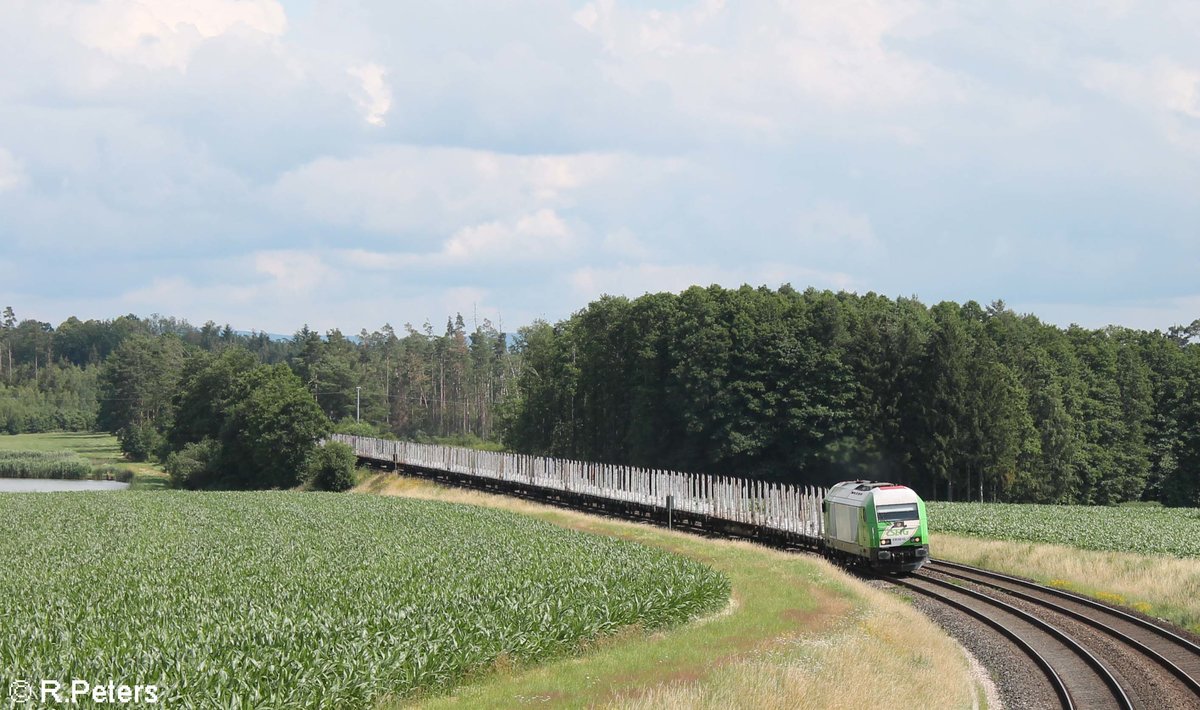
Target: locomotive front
879, 524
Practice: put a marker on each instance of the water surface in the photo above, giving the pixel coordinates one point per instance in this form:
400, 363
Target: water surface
50, 485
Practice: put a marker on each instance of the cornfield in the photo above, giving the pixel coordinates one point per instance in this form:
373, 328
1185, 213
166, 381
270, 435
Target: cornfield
1128, 528
277, 599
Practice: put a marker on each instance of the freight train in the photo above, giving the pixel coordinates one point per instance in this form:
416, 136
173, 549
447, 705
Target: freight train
877, 524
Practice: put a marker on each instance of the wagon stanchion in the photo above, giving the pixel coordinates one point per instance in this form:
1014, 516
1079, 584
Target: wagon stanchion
756, 509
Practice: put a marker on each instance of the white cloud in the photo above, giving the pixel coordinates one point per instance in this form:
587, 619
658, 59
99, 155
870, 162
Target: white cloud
835, 225
12, 173
165, 33
536, 236
1165, 90
1162, 85
294, 271
179, 296
274, 277
279, 290
637, 149
771, 67
430, 191
625, 244
374, 96
839, 53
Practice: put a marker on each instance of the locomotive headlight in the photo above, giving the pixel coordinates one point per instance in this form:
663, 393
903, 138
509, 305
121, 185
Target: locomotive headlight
917, 539
885, 541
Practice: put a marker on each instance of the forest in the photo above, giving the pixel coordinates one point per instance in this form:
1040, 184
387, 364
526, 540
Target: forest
960, 401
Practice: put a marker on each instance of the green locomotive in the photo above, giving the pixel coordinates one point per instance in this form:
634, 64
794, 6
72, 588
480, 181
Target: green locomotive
881, 525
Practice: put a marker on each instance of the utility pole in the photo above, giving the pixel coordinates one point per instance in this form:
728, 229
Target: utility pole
358, 404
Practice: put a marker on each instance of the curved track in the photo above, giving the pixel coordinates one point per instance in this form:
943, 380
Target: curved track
1160, 647
1076, 676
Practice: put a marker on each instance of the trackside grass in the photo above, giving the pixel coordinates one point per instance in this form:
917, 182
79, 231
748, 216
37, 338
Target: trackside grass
798, 634
283, 599
1164, 586
1143, 557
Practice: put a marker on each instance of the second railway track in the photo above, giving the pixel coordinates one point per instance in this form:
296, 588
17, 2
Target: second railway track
1077, 678
1092, 655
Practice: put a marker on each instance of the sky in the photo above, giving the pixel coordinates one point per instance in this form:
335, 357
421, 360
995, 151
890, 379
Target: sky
347, 164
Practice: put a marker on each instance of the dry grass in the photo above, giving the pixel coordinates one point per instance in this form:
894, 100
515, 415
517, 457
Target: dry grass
798, 634
883, 653
1161, 585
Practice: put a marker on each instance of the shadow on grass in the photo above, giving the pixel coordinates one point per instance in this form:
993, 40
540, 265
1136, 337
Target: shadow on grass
149, 482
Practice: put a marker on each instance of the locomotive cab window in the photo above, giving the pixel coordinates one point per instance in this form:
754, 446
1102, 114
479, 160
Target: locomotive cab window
890, 513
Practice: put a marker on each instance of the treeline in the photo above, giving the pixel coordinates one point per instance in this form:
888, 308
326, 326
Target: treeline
418, 385
958, 401
50, 377
124, 375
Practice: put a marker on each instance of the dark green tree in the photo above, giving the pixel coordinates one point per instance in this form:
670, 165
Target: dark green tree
270, 431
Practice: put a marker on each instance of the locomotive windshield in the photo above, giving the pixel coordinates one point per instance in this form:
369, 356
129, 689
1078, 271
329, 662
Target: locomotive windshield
891, 513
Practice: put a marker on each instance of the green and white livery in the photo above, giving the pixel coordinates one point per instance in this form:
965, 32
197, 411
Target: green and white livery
879, 524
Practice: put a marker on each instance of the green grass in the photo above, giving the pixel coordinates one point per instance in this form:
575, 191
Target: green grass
1138, 529
283, 599
100, 449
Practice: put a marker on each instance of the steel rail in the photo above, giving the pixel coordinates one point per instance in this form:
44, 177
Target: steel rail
1102, 672
970, 574
1056, 681
1108, 608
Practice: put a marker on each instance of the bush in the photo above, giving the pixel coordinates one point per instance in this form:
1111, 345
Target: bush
330, 467
110, 472
196, 465
140, 441
353, 428
268, 436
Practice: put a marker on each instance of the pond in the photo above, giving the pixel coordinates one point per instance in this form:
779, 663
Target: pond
50, 485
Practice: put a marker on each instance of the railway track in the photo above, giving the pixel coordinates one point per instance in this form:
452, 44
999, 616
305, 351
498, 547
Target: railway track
1079, 679
1092, 655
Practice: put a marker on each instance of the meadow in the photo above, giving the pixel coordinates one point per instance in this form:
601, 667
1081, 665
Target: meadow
280, 599
797, 634
101, 450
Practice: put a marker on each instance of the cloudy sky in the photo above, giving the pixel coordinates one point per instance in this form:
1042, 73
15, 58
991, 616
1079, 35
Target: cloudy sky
270, 163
